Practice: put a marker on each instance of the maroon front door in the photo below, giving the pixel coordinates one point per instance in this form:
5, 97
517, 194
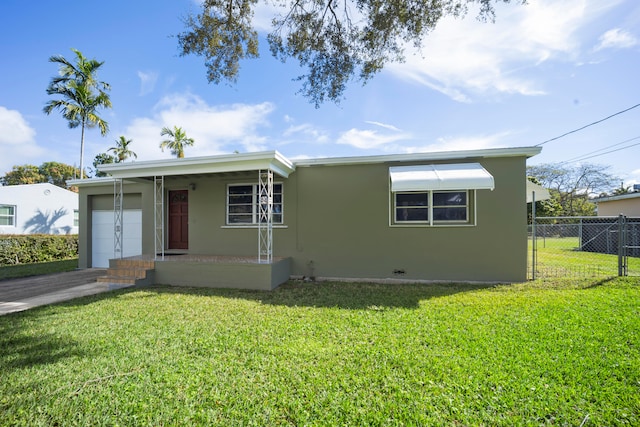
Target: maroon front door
179, 219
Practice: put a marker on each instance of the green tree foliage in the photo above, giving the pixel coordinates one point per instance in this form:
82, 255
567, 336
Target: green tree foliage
122, 151
80, 95
572, 187
102, 159
58, 173
176, 141
550, 207
335, 41
52, 172
23, 174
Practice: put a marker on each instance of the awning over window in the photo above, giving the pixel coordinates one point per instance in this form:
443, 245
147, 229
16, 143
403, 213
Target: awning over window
541, 192
459, 176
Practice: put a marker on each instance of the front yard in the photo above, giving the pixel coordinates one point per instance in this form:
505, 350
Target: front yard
540, 353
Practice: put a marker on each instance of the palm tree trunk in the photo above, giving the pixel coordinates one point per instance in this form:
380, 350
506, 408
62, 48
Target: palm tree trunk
82, 151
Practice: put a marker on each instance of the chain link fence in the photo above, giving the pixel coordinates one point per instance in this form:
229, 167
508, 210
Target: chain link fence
584, 247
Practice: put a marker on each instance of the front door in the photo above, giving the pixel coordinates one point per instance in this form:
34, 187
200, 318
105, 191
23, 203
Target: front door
179, 219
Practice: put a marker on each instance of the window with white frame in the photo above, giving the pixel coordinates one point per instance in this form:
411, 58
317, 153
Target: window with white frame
243, 204
432, 207
7, 215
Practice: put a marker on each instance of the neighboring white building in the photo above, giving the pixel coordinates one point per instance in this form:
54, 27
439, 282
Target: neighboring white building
38, 209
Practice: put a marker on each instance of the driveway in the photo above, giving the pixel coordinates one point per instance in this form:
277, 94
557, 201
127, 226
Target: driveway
22, 294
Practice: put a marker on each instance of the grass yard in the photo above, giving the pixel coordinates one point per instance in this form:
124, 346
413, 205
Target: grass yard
561, 257
539, 353
34, 269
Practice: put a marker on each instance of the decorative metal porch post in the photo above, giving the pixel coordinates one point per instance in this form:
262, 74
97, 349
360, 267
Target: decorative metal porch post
158, 216
265, 216
117, 218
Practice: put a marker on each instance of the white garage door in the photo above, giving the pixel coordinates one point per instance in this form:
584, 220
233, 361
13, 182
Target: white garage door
102, 232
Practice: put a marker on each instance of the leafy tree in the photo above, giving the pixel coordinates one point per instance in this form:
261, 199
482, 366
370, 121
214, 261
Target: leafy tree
23, 174
52, 172
102, 159
549, 207
122, 151
573, 186
176, 141
58, 173
335, 41
622, 190
81, 95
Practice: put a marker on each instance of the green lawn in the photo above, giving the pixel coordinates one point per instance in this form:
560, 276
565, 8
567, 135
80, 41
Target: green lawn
562, 257
34, 269
538, 353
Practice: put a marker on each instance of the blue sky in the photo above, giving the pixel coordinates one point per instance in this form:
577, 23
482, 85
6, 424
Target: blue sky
539, 71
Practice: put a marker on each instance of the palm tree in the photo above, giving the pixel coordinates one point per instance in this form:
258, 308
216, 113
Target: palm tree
176, 142
122, 150
81, 95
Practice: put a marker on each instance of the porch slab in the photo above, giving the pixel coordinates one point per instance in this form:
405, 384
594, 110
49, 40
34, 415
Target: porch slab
212, 271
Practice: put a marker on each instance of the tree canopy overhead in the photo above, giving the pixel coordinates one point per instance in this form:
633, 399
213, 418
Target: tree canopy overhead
335, 41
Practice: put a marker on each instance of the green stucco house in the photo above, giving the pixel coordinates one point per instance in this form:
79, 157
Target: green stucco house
255, 220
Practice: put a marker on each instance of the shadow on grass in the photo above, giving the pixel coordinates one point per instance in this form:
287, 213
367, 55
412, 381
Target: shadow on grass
19, 349
350, 296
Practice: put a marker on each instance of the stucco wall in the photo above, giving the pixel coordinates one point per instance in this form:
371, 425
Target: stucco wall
336, 224
40, 208
628, 207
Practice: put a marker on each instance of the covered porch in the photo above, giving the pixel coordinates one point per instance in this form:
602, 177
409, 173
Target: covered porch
199, 261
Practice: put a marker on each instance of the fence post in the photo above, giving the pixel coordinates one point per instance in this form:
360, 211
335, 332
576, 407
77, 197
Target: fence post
621, 246
533, 235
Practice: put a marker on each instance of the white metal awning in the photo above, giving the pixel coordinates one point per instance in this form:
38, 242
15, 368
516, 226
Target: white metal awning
541, 193
459, 176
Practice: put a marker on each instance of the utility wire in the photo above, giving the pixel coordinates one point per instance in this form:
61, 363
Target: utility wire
581, 157
586, 126
612, 151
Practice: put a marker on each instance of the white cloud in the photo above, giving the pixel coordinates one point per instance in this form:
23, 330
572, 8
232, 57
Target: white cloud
477, 142
214, 128
305, 132
616, 39
466, 58
383, 125
147, 82
369, 139
14, 129
17, 140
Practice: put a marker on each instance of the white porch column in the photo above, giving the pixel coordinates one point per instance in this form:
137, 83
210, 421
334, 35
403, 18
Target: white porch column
158, 216
265, 216
117, 217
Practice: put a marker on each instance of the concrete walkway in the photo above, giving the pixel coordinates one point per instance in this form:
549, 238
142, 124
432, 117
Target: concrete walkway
22, 294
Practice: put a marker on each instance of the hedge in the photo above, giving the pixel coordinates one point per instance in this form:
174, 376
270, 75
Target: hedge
31, 248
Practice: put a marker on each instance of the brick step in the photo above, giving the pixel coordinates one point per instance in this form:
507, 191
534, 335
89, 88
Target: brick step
138, 273
132, 263
120, 280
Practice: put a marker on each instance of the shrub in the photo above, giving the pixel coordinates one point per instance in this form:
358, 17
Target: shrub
31, 248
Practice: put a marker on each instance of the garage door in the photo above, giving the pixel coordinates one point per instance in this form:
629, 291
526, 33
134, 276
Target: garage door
102, 232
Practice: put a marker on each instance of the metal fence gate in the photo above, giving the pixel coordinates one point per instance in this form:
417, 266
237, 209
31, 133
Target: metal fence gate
584, 247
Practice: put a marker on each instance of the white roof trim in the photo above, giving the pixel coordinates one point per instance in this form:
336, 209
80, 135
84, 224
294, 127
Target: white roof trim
459, 176
423, 157
541, 192
266, 160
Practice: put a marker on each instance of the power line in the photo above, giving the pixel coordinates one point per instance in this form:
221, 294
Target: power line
612, 151
586, 126
582, 156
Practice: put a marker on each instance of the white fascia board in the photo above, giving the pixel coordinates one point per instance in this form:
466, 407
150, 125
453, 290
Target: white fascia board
93, 182
268, 160
422, 157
